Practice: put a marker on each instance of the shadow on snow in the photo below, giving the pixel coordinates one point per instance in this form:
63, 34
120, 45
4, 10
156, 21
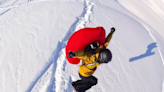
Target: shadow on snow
146, 54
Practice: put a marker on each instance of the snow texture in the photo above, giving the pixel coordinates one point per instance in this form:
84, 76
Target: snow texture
34, 33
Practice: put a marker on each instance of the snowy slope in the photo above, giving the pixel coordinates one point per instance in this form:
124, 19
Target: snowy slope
33, 36
29, 35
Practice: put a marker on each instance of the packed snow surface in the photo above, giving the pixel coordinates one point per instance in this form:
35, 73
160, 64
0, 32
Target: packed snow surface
34, 33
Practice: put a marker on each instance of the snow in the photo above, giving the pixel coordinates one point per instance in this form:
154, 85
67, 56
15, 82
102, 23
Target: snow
33, 36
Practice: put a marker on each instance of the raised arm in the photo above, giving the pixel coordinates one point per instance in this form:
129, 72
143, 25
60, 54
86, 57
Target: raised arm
108, 38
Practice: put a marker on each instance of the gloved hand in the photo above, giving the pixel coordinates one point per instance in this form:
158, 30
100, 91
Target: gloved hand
71, 54
113, 29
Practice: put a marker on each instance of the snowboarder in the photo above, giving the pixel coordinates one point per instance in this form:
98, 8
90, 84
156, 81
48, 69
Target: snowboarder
92, 56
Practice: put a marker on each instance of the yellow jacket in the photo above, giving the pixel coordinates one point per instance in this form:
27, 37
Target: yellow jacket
89, 65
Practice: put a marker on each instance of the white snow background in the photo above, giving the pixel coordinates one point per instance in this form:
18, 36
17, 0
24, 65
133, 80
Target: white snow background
34, 33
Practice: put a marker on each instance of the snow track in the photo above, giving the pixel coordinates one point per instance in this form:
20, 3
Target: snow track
3, 1
155, 41
55, 78
13, 4
34, 33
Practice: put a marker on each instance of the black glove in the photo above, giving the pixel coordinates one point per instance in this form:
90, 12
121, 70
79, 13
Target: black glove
113, 29
71, 54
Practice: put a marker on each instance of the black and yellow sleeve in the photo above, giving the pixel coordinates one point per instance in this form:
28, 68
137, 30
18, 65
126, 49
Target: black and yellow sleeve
108, 38
80, 55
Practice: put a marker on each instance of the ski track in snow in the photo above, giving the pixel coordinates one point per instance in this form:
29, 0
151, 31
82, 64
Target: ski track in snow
155, 41
4, 12
162, 58
150, 29
54, 78
3, 1
17, 5
9, 7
